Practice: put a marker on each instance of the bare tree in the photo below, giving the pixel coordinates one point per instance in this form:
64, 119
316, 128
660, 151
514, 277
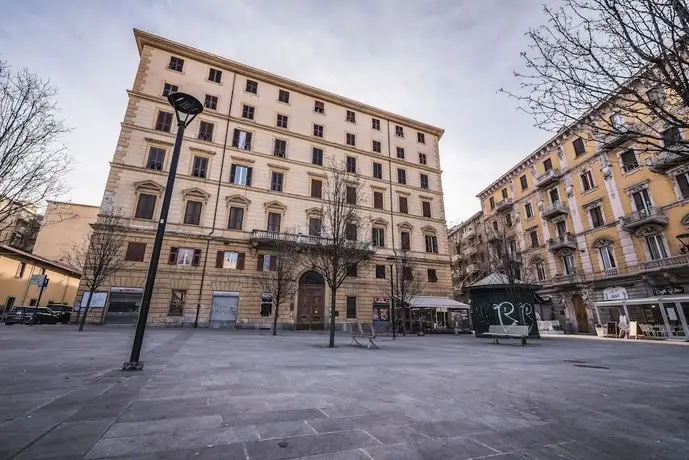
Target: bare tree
407, 284
101, 257
32, 164
617, 69
281, 280
343, 245
504, 256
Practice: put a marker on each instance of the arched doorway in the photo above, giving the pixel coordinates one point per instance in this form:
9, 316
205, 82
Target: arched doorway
579, 307
311, 309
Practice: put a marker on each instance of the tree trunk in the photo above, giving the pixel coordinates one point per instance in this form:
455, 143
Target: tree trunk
86, 311
333, 294
275, 319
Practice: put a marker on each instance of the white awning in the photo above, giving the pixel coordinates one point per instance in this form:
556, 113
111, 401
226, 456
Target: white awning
435, 302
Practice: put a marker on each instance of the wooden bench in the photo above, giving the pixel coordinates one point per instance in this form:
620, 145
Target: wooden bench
363, 331
507, 332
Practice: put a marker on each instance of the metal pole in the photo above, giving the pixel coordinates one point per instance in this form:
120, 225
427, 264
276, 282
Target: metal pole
38, 302
392, 302
134, 363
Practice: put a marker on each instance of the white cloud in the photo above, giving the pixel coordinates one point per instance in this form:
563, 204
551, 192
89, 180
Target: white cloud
439, 61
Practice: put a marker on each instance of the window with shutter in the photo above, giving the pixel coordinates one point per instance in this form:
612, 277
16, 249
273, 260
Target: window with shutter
196, 261
219, 259
377, 170
241, 139
164, 121
206, 131
315, 226
352, 270
172, 259
316, 188
351, 195
240, 261
135, 252
579, 148
351, 307
426, 207
192, 214
145, 206
424, 180
350, 231
404, 206
378, 200
274, 222
236, 218
432, 276
406, 241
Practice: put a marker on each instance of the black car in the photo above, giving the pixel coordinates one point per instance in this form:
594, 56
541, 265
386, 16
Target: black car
31, 315
63, 312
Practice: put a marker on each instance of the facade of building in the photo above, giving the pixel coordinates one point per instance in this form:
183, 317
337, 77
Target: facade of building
252, 166
16, 269
469, 254
595, 219
64, 225
20, 229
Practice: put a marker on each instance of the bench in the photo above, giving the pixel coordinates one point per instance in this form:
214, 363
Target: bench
363, 331
507, 332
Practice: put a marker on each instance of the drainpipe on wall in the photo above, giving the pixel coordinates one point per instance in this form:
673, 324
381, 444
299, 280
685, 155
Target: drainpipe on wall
392, 222
217, 200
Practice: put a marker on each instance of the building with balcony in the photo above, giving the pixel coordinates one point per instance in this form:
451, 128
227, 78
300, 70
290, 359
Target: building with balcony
251, 172
468, 245
594, 219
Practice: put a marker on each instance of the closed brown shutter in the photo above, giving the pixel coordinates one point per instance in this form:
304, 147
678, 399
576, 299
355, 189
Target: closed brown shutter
259, 264
403, 205
219, 259
316, 189
240, 261
172, 260
135, 252
426, 208
196, 261
378, 200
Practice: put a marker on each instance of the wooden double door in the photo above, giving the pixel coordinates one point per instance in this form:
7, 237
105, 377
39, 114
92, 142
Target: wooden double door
311, 311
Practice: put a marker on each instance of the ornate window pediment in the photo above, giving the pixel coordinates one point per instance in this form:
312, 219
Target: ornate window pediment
565, 252
314, 212
555, 220
649, 230
239, 200
592, 204
405, 226
195, 193
379, 222
602, 242
637, 187
429, 230
275, 206
149, 186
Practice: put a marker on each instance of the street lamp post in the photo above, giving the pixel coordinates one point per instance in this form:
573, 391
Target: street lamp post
392, 295
186, 108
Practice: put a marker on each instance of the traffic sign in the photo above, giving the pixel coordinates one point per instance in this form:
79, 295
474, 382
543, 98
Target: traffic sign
39, 280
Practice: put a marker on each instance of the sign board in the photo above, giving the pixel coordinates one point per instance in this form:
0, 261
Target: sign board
129, 290
615, 293
672, 290
671, 313
39, 280
98, 300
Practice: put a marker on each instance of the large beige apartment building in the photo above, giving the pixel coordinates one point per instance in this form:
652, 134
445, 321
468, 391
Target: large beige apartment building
256, 160
65, 226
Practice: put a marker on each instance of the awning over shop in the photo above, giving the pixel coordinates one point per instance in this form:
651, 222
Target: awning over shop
435, 302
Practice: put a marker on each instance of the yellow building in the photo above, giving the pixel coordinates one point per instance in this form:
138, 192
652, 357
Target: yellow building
600, 226
16, 269
252, 168
64, 225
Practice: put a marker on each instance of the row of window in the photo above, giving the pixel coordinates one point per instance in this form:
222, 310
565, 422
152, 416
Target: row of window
192, 216
156, 161
251, 86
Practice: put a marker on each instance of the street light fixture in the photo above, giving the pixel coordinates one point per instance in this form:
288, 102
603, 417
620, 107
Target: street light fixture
186, 107
392, 260
684, 239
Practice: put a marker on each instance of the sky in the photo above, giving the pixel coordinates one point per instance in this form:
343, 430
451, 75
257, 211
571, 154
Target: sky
437, 61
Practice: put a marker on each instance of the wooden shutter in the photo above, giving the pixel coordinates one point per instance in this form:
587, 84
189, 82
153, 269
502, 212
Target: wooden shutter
233, 170
378, 200
219, 259
273, 263
248, 177
426, 208
248, 144
259, 263
196, 261
240, 261
316, 188
403, 205
235, 140
172, 260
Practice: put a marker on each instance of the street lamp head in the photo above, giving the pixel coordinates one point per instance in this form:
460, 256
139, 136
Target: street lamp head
684, 239
186, 107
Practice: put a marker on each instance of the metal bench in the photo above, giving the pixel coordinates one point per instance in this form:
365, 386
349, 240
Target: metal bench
363, 331
507, 332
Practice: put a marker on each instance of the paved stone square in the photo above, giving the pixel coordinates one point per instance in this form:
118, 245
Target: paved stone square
209, 394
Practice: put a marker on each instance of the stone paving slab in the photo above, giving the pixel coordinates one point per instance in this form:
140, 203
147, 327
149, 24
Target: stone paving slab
207, 394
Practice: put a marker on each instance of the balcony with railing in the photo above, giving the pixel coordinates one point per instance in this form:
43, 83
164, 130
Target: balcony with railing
566, 241
669, 262
620, 134
456, 258
504, 205
264, 237
569, 278
492, 235
650, 215
549, 177
554, 210
665, 160
468, 234
472, 268
469, 251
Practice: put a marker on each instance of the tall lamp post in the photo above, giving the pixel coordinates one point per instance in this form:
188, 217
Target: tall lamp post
392, 295
186, 108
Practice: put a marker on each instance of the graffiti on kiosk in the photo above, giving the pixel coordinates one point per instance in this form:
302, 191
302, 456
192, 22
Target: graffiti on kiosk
509, 315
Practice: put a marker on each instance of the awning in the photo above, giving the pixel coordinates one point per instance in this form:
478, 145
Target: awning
435, 302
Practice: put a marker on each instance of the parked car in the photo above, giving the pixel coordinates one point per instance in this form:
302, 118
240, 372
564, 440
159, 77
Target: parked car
63, 312
31, 315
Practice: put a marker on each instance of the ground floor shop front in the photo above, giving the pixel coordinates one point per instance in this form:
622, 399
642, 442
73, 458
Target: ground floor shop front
649, 318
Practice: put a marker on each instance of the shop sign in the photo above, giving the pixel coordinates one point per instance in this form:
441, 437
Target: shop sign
128, 290
671, 313
672, 290
615, 293
98, 300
